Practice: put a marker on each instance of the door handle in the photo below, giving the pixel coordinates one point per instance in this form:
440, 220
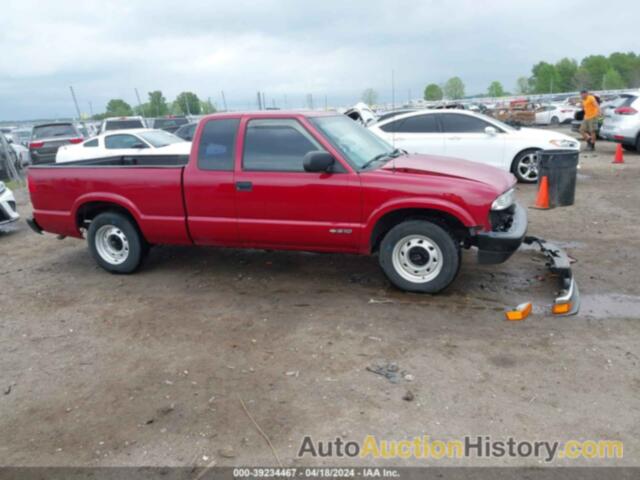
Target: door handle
244, 186
453, 138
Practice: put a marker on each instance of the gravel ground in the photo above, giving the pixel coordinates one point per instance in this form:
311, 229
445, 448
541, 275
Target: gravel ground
153, 368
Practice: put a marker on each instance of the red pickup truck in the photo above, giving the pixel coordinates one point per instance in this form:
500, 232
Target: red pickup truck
292, 181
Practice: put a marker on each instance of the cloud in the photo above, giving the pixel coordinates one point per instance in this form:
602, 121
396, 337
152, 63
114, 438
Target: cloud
286, 48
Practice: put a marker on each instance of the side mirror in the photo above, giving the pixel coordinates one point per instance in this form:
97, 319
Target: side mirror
490, 131
318, 161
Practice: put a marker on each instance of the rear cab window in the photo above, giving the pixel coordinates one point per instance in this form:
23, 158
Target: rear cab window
216, 149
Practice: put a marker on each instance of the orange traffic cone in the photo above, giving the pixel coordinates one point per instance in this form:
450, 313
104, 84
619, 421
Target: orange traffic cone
542, 200
619, 156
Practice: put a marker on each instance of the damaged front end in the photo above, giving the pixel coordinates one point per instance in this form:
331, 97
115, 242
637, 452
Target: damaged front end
508, 232
568, 300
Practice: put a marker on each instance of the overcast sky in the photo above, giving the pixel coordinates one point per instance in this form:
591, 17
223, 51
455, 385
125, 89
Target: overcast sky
286, 48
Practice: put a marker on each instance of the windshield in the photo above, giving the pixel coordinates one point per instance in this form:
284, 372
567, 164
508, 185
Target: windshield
495, 121
357, 144
160, 138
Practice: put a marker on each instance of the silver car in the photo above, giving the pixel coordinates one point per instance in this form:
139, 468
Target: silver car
623, 124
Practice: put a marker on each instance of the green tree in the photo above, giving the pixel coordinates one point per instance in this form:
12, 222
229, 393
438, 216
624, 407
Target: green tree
188, 103
566, 70
370, 96
545, 78
118, 108
206, 107
628, 66
433, 92
595, 66
522, 86
495, 89
613, 80
157, 105
454, 88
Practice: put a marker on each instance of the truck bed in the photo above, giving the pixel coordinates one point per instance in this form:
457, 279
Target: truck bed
148, 186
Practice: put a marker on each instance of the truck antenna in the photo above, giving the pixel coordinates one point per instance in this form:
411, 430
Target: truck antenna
393, 107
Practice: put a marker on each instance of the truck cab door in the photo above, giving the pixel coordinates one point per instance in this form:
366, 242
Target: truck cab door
280, 205
209, 189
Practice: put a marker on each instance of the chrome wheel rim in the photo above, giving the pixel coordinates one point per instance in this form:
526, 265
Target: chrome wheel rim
528, 166
112, 244
417, 259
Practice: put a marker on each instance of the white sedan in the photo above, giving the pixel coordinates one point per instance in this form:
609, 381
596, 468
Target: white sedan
125, 142
555, 114
472, 136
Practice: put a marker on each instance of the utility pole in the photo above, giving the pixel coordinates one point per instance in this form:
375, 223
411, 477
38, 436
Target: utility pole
91, 109
139, 103
259, 101
224, 101
393, 90
75, 102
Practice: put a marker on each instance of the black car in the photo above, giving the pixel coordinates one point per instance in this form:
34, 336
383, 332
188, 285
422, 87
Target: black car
187, 131
169, 124
48, 137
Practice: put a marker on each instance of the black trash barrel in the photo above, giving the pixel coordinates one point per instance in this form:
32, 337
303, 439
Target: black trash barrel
561, 168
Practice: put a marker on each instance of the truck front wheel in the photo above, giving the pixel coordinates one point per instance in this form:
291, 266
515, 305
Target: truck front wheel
420, 256
115, 243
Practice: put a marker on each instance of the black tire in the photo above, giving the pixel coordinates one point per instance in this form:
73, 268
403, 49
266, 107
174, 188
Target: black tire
555, 121
638, 143
116, 243
629, 148
432, 235
516, 170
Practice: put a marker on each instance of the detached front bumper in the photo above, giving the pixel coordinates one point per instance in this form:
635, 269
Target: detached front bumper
498, 246
568, 300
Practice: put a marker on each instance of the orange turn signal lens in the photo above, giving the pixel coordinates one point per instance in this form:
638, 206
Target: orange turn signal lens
521, 312
561, 308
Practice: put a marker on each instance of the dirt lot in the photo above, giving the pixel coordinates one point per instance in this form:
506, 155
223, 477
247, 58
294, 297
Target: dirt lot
150, 369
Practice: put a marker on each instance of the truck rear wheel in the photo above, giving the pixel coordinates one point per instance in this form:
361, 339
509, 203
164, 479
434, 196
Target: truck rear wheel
116, 243
420, 256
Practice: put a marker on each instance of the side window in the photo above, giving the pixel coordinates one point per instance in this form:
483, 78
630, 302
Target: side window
456, 123
121, 141
91, 143
276, 145
417, 124
216, 150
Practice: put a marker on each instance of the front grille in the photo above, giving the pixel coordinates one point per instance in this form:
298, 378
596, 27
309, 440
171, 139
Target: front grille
4, 216
501, 220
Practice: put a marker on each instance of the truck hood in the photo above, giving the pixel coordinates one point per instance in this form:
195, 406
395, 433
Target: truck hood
454, 168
